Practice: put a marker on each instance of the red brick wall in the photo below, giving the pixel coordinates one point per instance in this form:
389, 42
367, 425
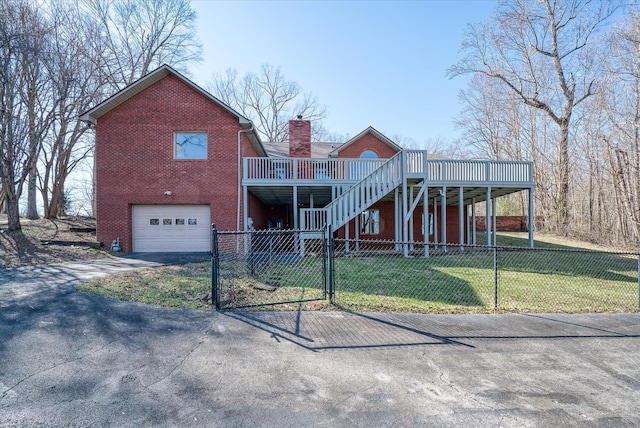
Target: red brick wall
504, 223
135, 165
367, 142
257, 212
300, 138
387, 223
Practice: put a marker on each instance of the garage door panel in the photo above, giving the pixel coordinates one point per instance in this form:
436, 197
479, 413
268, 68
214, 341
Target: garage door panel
171, 228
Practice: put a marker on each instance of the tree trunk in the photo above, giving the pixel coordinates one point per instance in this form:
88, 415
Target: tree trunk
62, 201
563, 179
13, 214
32, 207
54, 203
3, 199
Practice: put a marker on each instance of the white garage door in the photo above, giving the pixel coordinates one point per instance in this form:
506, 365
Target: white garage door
171, 228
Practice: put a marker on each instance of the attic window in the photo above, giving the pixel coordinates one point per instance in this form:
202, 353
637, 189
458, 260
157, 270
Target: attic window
368, 154
190, 145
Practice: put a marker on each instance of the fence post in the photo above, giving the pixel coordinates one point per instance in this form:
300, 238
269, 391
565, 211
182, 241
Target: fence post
215, 298
330, 253
495, 277
324, 263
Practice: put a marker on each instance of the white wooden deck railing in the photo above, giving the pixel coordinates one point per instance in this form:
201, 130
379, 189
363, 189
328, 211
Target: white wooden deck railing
313, 218
479, 171
322, 170
308, 169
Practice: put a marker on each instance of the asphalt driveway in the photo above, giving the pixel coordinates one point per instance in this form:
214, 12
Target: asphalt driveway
75, 359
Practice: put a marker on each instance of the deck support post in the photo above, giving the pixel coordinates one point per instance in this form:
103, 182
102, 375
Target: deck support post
397, 221
405, 207
295, 208
297, 246
443, 221
461, 217
435, 221
245, 217
425, 219
467, 223
530, 218
473, 221
487, 217
346, 237
494, 202
411, 237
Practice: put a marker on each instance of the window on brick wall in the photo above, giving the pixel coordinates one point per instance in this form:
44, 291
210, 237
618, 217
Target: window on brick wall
190, 145
370, 222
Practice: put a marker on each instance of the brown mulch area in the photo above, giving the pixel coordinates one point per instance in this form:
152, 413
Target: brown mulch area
47, 241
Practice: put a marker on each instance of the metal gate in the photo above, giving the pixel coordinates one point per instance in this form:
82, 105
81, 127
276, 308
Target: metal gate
270, 267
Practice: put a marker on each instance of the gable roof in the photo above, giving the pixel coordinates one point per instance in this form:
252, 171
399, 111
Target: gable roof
281, 149
370, 130
92, 115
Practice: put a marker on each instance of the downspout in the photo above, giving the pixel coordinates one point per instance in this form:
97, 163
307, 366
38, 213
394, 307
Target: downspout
238, 189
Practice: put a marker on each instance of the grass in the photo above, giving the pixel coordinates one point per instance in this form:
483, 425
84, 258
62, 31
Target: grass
556, 277
539, 281
186, 286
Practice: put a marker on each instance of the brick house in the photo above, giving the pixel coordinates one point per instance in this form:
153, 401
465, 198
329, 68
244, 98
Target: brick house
171, 159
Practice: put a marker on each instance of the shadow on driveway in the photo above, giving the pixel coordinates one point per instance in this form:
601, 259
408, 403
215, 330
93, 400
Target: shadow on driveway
318, 331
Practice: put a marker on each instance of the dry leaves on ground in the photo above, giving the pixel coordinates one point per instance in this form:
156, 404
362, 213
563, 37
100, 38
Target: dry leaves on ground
47, 241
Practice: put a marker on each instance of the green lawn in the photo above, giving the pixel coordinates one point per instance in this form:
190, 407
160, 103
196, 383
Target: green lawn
528, 281
543, 280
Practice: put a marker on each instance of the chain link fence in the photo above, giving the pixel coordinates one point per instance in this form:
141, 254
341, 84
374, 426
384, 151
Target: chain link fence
262, 268
259, 268
391, 276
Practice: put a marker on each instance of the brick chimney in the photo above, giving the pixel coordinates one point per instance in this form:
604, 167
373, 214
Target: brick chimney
300, 138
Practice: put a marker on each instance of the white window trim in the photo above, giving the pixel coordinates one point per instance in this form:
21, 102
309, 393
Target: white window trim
370, 222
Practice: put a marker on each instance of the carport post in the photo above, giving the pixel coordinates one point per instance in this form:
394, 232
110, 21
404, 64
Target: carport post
215, 298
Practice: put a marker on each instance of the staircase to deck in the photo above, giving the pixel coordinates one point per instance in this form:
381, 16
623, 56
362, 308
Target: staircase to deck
365, 193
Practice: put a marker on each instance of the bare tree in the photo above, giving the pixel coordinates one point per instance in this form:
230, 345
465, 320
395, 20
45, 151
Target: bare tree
75, 86
269, 100
620, 130
20, 33
101, 46
540, 50
135, 36
496, 125
489, 120
35, 92
322, 134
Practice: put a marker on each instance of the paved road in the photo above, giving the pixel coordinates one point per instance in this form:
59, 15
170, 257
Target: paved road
74, 359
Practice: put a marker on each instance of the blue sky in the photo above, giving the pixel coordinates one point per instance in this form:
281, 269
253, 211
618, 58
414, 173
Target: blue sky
371, 63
